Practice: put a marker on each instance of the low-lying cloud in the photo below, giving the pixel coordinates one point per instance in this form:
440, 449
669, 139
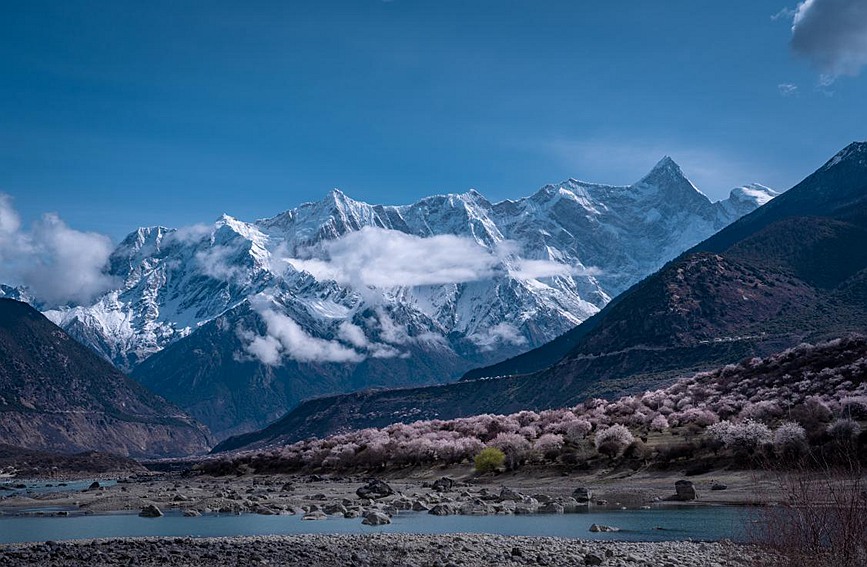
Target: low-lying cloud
382, 258
832, 35
286, 338
58, 264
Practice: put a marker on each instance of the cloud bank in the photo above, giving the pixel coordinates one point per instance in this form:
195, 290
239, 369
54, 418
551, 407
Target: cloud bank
832, 35
381, 258
58, 264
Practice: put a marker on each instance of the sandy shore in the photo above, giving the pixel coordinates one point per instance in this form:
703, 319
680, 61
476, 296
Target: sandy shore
379, 550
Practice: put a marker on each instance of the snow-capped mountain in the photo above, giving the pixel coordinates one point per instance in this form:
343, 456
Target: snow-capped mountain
342, 282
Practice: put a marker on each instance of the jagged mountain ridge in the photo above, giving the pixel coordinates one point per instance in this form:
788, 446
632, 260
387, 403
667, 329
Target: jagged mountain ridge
57, 395
790, 272
549, 261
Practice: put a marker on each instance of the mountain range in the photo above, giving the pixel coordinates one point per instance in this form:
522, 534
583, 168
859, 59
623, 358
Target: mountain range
57, 395
794, 270
238, 322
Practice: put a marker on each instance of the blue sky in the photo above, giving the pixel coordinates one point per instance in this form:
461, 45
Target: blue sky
120, 114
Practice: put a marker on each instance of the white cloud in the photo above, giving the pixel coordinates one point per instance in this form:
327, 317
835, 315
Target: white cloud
353, 334
190, 234
787, 89
832, 35
502, 333
216, 262
58, 264
380, 258
286, 338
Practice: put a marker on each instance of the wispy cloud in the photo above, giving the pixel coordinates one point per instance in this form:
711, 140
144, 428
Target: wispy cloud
832, 35
787, 89
286, 338
57, 263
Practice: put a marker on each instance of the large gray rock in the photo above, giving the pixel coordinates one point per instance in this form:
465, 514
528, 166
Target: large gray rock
441, 510
315, 515
685, 490
150, 511
376, 519
374, 489
582, 495
445, 484
509, 494
599, 528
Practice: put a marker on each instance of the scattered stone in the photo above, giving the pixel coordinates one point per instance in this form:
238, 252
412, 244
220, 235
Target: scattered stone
593, 559
192, 513
441, 510
718, 486
315, 515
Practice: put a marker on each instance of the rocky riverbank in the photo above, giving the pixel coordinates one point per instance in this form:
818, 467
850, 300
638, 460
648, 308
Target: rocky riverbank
437, 492
379, 550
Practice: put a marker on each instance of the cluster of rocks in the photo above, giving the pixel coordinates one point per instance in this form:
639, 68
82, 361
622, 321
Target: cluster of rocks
381, 550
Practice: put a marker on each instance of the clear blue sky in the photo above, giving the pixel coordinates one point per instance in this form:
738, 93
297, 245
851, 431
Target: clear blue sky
118, 114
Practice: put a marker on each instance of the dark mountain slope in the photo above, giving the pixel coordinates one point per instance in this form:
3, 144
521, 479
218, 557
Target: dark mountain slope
57, 395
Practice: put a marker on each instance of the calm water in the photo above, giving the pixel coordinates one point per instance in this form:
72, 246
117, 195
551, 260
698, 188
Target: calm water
697, 523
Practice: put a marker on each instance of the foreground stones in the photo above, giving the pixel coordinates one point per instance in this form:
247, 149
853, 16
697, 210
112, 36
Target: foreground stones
386, 550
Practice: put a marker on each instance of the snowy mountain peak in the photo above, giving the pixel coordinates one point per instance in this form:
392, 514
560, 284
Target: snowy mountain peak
754, 193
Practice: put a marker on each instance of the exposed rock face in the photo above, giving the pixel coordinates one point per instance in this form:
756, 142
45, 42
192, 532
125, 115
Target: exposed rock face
57, 395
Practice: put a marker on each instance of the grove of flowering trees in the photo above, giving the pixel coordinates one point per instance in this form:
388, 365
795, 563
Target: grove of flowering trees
782, 402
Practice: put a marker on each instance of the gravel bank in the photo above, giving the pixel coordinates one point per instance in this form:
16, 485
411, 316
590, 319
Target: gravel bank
379, 550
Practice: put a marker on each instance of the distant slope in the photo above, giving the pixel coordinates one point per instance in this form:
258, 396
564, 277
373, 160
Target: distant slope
772, 280
57, 395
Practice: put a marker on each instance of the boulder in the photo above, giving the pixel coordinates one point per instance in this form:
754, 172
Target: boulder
582, 495
685, 490
374, 489
94, 486
441, 510
150, 511
509, 494
315, 515
419, 506
445, 484
718, 486
593, 559
599, 528
376, 519
551, 508
192, 513
475, 508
